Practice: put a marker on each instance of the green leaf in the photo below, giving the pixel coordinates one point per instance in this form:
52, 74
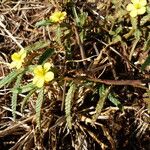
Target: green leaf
38, 107
103, 93
48, 53
145, 19
9, 78
14, 96
112, 32
115, 101
116, 39
118, 30
68, 101
27, 88
147, 43
27, 97
82, 36
77, 20
137, 34
148, 9
146, 63
83, 18
58, 34
37, 45
134, 22
43, 23
80, 19
24, 89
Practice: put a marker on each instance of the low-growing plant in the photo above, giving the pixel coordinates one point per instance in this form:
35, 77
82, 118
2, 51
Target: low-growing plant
78, 68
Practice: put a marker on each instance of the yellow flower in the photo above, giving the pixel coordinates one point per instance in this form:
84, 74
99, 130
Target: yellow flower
137, 7
42, 75
58, 16
18, 59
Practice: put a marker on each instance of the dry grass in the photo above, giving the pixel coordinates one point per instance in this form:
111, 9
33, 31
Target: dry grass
88, 63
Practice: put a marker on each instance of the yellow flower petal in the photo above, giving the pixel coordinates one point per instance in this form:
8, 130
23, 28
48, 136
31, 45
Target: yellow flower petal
39, 82
135, 1
19, 64
16, 64
58, 16
21, 52
137, 7
130, 7
63, 15
133, 13
141, 11
23, 56
38, 70
18, 59
49, 76
35, 79
12, 64
15, 57
142, 2
42, 75
47, 66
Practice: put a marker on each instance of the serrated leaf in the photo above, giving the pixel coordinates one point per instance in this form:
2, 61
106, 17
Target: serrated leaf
14, 96
26, 88
147, 43
116, 39
148, 9
83, 18
137, 34
43, 23
37, 45
82, 35
114, 100
146, 63
9, 78
118, 30
38, 107
25, 100
145, 19
49, 52
68, 104
134, 22
103, 93
77, 20
58, 35
112, 32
